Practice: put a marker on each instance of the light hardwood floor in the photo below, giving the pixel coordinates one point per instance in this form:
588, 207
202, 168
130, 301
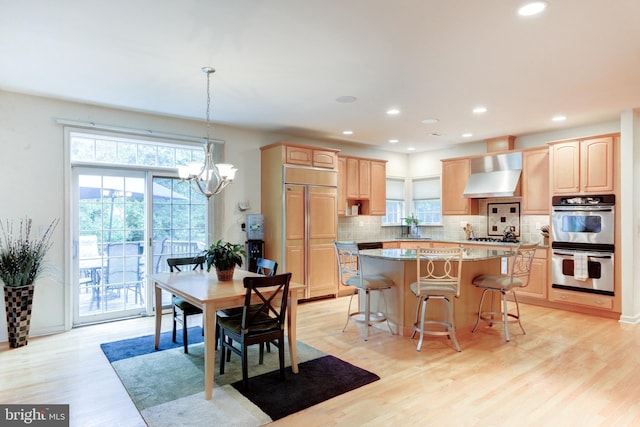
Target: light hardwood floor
568, 370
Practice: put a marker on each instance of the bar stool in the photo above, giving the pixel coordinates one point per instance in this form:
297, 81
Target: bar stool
350, 274
517, 277
438, 273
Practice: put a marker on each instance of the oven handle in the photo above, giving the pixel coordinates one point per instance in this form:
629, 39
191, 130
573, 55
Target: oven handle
582, 209
589, 254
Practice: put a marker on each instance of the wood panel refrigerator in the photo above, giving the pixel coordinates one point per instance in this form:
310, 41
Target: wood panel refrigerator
310, 227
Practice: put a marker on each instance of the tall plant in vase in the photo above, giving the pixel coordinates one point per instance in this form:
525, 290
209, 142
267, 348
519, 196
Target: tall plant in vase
21, 263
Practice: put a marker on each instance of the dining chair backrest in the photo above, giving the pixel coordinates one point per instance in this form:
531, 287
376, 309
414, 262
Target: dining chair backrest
175, 263
520, 263
438, 269
123, 262
267, 267
88, 247
262, 313
348, 265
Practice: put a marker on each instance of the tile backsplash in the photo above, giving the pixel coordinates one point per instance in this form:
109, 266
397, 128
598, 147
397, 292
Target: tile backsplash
368, 228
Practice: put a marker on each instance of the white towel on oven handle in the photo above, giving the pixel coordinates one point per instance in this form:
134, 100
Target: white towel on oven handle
580, 266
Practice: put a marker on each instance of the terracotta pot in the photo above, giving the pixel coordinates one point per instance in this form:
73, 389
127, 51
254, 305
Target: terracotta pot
18, 302
225, 275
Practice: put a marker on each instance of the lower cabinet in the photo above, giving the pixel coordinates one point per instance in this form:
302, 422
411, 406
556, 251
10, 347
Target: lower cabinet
581, 298
538, 280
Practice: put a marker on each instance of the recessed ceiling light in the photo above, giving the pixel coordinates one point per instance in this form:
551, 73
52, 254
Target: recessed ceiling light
347, 132
467, 135
411, 149
430, 121
559, 118
347, 99
393, 141
480, 109
532, 8
393, 111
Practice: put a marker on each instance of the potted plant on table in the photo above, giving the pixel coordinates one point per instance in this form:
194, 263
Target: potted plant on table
21, 263
224, 256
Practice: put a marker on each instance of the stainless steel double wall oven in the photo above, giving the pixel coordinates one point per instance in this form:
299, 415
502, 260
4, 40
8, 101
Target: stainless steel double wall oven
583, 236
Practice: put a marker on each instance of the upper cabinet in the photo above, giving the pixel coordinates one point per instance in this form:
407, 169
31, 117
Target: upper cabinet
535, 182
310, 156
378, 196
342, 185
455, 173
362, 182
583, 166
358, 178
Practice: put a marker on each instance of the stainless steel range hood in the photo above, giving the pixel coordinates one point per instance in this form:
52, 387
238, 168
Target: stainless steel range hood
494, 176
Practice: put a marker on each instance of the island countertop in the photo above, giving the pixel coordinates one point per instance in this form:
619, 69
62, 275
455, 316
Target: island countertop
468, 254
399, 265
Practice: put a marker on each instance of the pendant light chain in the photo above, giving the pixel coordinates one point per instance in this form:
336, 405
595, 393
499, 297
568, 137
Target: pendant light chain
208, 178
209, 71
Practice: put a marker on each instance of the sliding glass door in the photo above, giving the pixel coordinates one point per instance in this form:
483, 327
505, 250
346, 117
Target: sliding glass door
110, 263
129, 212
179, 224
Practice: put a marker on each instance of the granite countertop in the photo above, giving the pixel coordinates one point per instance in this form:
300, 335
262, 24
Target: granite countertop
468, 254
458, 242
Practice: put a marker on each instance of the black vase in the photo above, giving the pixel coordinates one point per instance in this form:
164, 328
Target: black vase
18, 301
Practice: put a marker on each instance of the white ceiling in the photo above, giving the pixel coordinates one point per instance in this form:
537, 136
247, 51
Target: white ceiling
281, 64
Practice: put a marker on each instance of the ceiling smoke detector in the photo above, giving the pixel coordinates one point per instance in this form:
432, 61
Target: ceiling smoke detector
347, 99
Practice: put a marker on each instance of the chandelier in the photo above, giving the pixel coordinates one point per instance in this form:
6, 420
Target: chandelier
208, 178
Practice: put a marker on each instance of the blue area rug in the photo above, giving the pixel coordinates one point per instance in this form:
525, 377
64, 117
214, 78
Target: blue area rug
133, 347
167, 385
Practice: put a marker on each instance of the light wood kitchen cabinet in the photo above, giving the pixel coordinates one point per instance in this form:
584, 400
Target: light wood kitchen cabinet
362, 181
299, 205
455, 173
358, 178
378, 195
538, 280
583, 166
310, 156
602, 302
342, 186
535, 182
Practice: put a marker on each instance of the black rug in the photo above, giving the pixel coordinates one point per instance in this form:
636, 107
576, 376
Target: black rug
318, 380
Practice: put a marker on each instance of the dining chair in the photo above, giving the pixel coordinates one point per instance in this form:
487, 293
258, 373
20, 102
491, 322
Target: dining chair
123, 270
182, 309
88, 254
517, 276
438, 278
350, 274
257, 326
264, 266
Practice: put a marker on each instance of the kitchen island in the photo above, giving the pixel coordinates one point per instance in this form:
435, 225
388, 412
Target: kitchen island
400, 266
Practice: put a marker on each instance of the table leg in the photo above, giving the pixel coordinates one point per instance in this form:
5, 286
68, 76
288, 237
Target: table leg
209, 313
291, 326
158, 309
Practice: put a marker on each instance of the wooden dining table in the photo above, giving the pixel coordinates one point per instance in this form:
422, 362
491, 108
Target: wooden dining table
204, 291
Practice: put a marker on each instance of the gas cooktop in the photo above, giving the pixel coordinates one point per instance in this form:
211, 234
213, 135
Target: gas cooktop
494, 239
